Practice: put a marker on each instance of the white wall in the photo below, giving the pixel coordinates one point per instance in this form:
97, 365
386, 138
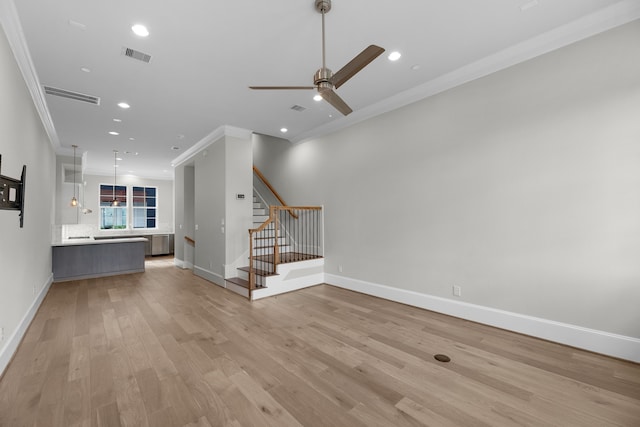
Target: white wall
238, 212
521, 187
25, 253
209, 212
184, 188
222, 169
90, 199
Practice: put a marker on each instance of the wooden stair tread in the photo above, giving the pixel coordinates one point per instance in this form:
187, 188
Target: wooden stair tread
238, 281
242, 283
259, 272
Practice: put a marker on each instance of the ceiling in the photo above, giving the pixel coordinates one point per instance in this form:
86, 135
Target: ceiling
205, 54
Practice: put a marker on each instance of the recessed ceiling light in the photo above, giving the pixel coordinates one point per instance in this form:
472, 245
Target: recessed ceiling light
528, 5
118, 158
284, 130
117, 120
113, 133
317, 98
415, 67
123, 105
77, 24
394, 56
131, 139
85, 69
140, 30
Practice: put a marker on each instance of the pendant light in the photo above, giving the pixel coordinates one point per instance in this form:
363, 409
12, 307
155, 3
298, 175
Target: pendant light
74, 200
115, 201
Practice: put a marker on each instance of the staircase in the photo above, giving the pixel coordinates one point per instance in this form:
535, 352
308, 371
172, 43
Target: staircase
240, 284
294, 270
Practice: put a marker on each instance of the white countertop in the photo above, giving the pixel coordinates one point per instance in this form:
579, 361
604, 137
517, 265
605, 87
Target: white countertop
91, 241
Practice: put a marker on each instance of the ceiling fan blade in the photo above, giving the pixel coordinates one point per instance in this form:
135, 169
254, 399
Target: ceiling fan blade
280, 87
356, 64
332, 98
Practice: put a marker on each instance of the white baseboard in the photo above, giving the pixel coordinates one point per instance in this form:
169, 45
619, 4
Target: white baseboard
185, 265
9, 349
606, 343
212, 277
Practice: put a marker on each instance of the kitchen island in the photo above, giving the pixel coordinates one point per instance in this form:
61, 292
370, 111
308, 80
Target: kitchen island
84, 258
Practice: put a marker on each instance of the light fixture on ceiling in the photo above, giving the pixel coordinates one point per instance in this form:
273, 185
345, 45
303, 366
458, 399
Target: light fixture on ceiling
317, 98
140, 30
123, 105
113, 133
394, 56
115, 202
284, 130
528, 5
74, 200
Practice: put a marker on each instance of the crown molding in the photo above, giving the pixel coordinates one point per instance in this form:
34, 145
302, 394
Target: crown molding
15, 36
213, 137
613, 16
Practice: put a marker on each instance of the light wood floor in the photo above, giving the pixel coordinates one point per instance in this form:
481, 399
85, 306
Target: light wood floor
166, 348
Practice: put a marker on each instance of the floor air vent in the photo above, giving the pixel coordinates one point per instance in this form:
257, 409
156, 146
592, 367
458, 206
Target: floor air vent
71, 95
136, 54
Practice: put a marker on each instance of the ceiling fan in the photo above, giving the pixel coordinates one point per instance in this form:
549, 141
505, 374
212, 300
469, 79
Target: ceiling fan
324, 80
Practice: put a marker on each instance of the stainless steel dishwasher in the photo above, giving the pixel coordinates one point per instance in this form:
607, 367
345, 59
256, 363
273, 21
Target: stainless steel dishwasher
160, 244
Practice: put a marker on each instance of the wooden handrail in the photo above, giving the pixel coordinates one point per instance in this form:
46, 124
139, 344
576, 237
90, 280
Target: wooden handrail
273, 190
190, 240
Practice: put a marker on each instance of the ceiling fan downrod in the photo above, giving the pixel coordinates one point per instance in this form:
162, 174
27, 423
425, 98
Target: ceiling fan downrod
322, 77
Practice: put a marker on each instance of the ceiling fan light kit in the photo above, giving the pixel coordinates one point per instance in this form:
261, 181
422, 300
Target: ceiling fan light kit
324, 80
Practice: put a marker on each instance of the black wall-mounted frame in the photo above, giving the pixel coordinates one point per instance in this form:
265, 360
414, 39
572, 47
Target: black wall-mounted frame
12, 193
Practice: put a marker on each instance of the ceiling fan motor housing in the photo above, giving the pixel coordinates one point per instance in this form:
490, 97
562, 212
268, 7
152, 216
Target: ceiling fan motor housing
322, 79
323, 6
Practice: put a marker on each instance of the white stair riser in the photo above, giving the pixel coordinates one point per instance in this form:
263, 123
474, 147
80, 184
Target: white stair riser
259, 212
262, 265
260, 280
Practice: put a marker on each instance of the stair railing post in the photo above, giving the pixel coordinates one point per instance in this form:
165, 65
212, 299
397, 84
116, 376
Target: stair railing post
275, 213
252, 278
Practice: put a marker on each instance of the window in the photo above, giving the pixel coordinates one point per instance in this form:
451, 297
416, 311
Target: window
144, 207
113, 217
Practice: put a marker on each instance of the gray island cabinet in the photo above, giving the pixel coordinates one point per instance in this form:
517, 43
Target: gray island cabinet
87, 258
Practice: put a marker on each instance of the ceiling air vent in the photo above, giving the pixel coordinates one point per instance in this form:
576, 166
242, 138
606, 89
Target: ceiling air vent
71, 95
136, 54
298, 108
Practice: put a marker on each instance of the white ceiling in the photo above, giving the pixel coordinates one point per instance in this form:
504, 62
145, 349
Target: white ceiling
205, 54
